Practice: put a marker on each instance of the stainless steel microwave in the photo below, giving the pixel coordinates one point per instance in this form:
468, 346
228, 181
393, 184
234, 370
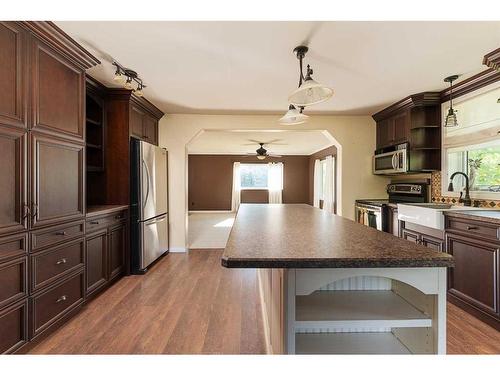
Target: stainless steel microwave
391, 161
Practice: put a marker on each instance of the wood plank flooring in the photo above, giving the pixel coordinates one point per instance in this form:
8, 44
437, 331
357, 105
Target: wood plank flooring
190, 304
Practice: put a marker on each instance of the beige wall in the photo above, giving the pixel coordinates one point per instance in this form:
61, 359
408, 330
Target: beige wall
354, 137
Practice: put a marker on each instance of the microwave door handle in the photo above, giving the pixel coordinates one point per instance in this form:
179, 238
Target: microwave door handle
394, 161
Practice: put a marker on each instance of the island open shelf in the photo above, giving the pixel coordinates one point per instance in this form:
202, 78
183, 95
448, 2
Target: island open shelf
330, 285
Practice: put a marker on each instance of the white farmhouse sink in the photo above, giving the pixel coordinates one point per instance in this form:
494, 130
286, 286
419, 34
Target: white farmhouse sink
428, 214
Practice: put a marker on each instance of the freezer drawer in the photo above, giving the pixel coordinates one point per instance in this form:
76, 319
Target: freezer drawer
154, 239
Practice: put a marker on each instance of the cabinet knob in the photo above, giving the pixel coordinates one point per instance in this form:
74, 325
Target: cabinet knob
61, 233
61, 261
471, 227
118, 217
94, 222
35, 211
62, 299
26, 212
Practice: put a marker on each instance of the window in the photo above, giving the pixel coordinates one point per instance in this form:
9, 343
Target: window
473, 147
480, 162
322, 184
254, 176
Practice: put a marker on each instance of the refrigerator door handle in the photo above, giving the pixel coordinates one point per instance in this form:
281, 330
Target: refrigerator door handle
148, 177
157, 221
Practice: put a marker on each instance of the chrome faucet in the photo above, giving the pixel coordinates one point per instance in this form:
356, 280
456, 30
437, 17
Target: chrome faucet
466, 200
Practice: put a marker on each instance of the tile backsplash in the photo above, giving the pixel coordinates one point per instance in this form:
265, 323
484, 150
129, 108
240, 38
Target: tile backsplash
437, 197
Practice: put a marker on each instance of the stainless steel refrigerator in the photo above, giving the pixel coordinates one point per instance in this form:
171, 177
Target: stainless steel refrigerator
148, 204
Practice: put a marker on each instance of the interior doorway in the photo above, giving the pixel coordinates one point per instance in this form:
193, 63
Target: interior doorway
231, 167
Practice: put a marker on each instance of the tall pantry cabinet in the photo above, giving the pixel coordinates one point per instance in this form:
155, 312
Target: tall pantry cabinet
42, 179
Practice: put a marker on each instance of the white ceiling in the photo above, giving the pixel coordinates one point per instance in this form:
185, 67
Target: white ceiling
248, 67
286, 142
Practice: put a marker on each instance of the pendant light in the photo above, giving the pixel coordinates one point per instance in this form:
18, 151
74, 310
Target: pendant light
293, 117
309, 91
451, 117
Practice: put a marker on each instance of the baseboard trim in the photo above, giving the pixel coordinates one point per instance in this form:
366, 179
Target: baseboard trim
177, 250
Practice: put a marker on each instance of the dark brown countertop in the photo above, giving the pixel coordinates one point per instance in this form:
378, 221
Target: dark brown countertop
301, 236
486, 216
104, 209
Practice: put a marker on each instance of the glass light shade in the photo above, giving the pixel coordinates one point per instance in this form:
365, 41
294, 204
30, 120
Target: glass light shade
309, 93
293, 117
261, 157
118, 77
139, 92
128, 85
451, 119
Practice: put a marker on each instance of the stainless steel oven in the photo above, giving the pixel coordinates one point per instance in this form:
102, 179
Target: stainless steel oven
391, 160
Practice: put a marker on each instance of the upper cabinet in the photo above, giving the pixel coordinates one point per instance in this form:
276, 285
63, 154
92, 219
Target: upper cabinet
13, 73
415, 120
143, 125
57, 95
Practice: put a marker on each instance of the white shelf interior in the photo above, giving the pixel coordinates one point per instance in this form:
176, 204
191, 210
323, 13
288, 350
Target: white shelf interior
356, 309
348, 343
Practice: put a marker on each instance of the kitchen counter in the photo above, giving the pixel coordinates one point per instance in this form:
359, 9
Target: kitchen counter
104, 209
301, 236
487, 216
330, 285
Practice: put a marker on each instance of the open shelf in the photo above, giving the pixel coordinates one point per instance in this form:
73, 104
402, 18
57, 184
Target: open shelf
357, 309
348, 343
93, 122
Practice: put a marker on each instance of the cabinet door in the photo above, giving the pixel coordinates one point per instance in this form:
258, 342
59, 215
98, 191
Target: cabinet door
385, 133
410, 235
136, 122
150, 129
13, 73
57, 180
58, 93
432, 242
474, 279
13, 182
96, 261
401, 127
117, 243
13, 327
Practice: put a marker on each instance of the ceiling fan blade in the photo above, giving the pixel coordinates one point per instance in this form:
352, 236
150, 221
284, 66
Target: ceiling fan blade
275, 155
254, 141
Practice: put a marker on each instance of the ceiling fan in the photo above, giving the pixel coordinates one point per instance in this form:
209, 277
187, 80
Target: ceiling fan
262, 153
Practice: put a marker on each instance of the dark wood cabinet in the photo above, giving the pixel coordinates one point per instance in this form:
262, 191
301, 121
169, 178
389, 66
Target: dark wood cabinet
57, 180
415, 120
428, 237
96, 261
57, 93
14, 210
13, 89
107, 246
117, 240
42, 155
474, 282
143, 126
13, 327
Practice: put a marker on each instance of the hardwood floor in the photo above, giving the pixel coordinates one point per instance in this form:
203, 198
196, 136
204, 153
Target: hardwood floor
190, 304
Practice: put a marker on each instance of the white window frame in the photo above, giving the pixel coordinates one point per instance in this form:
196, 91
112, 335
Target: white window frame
255, 188
444, 150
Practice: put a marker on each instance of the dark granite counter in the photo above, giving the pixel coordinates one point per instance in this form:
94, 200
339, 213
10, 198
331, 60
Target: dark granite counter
486, 216
301, 236
105, 209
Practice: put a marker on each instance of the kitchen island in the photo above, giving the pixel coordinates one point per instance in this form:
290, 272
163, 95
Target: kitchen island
330, 285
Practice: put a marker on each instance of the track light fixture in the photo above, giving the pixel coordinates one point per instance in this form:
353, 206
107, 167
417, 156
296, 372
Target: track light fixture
127, 77
308, 93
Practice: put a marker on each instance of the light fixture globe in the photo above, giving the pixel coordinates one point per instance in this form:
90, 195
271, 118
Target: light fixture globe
310, 93
293, 117
261, 157
451, 119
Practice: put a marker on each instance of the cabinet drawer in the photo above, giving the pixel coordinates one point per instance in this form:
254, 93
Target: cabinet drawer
100, 222
56, 235
13, 281
13, 327
13, 246
473, 228
48, 265
52, 304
